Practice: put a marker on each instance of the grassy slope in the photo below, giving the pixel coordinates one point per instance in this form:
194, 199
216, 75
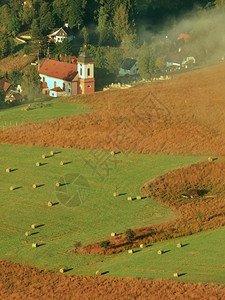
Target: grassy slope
95, 219
50, 110
201, 260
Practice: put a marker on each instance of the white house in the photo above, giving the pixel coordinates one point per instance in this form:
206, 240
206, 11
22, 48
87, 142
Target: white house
60, 34
60, 78
189, 60
128, 67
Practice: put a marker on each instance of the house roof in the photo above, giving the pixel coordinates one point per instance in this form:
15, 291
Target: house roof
73, 59
57, 89
128, 63
65, 28
4, 84
68, 30
85, 57
58, 69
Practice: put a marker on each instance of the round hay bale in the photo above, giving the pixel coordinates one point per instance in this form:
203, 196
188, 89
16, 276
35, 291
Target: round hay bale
12, 188
142, 246
50, 203
58, 184
33, 226
115, 194
62, 163
8, 170
138, 197
130, 198
113, 234
34, 245
175, 275
210, 159
112, 152
62, 270
98, 273
52, 152
34, 186
160, 252
27, 233
130, 251
44, 156
179, 245
38, 164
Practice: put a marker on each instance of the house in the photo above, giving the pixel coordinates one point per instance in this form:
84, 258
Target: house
128, 67
188, 61
60, 34
60, 78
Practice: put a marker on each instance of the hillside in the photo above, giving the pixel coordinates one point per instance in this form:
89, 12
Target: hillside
182, 116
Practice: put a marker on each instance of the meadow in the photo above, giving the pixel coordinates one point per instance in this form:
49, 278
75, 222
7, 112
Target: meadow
83, 211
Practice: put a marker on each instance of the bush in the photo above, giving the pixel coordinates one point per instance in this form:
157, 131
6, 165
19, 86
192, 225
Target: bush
130, 235
104, 244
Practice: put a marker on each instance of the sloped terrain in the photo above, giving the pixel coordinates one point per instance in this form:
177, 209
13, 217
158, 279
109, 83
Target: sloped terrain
184, 115
21, 282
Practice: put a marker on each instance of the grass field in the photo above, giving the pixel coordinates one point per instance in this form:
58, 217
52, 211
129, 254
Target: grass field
91, 215
39, 112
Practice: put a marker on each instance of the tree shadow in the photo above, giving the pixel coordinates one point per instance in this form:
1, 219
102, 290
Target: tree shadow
106, 272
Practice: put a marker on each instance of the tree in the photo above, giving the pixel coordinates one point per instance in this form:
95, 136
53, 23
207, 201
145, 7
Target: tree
121, 24
15, 77
46, 18
104, 25
64, 48
146, 62
2, 96
85, 35
7, 44
31, 83
76, 12
14, 25
113, 59
35, 29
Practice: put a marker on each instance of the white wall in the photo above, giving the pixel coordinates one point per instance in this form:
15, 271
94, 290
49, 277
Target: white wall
85, 68
132, 71
59, 83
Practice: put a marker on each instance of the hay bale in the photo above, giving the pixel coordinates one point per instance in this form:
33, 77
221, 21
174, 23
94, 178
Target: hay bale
8, 170
142, 246
210, 159
138, 197
12, 188
98, 273
115, 194
52, 152
175, 275
44, 156
33, 226
130, 198
27, 233
50, 203
179, 245
58, 184
34, 186
160, 252
130, 251
34, 245
113, 234
112, 152
62, 163
38, 164
62, 270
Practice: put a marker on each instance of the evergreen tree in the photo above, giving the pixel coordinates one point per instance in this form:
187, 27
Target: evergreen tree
146, 62
31, 83
104, 26
121, 24
35, 29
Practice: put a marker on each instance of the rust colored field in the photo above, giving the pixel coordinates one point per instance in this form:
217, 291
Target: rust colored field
182, 116
21, 282
196, 213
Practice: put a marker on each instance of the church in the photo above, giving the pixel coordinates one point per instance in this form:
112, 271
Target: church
63, 78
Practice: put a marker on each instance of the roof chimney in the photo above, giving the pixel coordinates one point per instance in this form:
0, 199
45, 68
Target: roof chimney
67, 25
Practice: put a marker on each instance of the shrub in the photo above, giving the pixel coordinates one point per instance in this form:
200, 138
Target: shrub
130, 235
104, 244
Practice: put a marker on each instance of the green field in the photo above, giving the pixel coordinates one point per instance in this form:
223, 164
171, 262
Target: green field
91, 215
39, 112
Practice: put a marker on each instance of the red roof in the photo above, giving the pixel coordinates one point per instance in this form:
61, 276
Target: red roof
73, 59
4, 84
57, 89
58, 69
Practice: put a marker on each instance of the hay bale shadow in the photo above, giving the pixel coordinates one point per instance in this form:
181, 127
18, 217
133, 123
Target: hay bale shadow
122, 194
18, 187
67, 270
182, 274
12, 170
106, 272
166, 251
41, 225
54, 204
40, 185
40, 245
136, 251
57, 152
33, 233
42, 164
184, 245
67, 162
66, 183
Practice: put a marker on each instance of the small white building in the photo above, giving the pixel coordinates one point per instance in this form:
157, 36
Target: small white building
189, 60
128, 67
60, 34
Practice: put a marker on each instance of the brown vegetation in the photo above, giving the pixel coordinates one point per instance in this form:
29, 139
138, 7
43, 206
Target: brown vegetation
22, 282
185, 115
202, 212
